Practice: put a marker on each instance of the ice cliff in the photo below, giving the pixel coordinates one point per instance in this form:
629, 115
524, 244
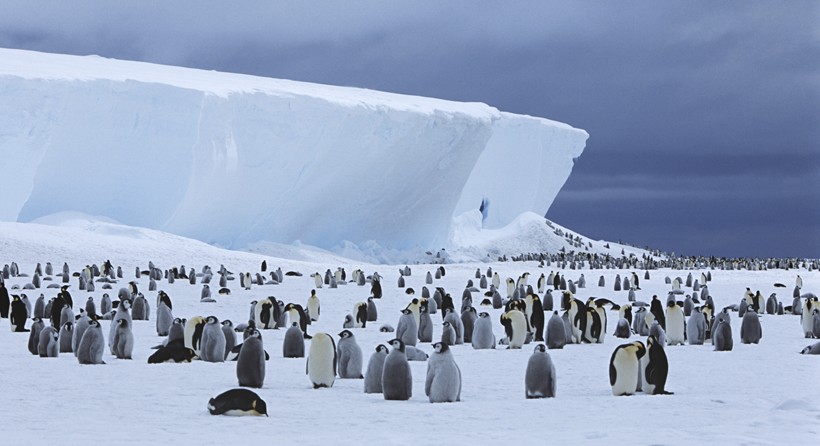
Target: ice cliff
234, 159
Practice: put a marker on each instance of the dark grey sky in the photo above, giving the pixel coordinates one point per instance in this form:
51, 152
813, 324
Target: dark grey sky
704, 116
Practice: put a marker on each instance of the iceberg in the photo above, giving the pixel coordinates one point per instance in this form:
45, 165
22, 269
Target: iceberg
233, 159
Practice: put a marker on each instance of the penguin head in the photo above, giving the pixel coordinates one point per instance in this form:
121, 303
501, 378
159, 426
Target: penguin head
122, 322
410, 291
345, 334
406, 311
312, 292
177, 321
540, 348
90, 298
253, 333
440, 347
483, 314
212, 320
397, 344
253, 302
227, 323
93, 323
68, 326
446, 324
381, 348
260, 407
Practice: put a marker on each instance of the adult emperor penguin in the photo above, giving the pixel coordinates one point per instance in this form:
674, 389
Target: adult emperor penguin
397, 380
321, 361
539, 378
212, 346
237, 402
656, 309
750, 329
515, 327
576, 313
250, 365
264, 313
349, 356
297, 314
313, 307
193, 333
360, 315
443, 381
810, 303
18, 314
92, 345
294, 344
537, 318
675, 323
483, 337
556, 332
124, 340
5, 301
407, 330
375, 367
624, 367
657, 368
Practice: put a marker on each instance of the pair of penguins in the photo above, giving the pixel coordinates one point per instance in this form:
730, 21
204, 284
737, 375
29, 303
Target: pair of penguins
636, 366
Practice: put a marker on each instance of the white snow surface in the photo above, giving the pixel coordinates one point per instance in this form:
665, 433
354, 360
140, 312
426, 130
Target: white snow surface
233, 160
762, 394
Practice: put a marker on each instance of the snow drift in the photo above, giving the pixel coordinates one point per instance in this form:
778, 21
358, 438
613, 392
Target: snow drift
233, 159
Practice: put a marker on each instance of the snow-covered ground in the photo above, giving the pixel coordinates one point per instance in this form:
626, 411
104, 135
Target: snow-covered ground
755, 394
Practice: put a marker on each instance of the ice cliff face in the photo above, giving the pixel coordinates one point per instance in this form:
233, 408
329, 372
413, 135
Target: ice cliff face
233, 159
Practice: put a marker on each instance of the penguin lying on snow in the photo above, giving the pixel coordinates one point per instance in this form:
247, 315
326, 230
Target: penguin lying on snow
237, 402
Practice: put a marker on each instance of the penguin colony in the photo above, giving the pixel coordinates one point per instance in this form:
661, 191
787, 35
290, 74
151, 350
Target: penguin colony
548, 317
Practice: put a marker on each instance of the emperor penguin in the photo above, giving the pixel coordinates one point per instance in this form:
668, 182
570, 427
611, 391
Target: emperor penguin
90, 307
297, 314
656, 309
483, 337
349, 356
556, 332
47, 345
413, 306
140, 309
425, 325
193, 333
91, 347
750, 329
622, 329
230, 336
18, 315
813, 349
321, 361
34, 335
313, 307
536, 317
39, 306
722, 336
407, 330
539, 378
294, 344
80, 325
164, 319
397, 380
360, 315
771, 304
264, 313
457, 324
696, 328
448, 333
65, 337
212, 346
443, 381
122, 313
624, 367
657, 368
468, 319
675, 323
576, 313
105, 304
124, 339
375, 367
810, 303
515, 327
372, 311
237, 402
250, 365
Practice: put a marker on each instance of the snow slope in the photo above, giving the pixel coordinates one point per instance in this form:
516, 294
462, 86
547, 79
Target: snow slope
233, 159
762, 394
